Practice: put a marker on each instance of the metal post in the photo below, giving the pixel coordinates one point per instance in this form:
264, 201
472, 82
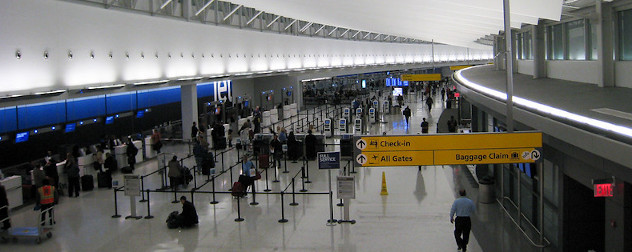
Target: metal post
239, 219
175, 197
276, 175
294, 203
541, 206
509, 64
285, 162
307, 171
149, 216
116, 215
192, 191
194, 178
238, 156
214, 201
230, 170
283, 219
142, 189
519, 199
254, 194
331, 221
267, 187
303, 181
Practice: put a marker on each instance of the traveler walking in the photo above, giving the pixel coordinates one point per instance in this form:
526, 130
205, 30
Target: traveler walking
463, 208
46, 199
407, 114
72, 171
424, 126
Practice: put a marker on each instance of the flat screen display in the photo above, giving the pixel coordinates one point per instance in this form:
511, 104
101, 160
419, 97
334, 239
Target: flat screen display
70, 127
21, 137
140, 114
246, 104
363, 83
397, 92
109, 120
218, 111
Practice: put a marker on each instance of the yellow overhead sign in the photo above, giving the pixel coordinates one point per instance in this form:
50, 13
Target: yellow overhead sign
421, 77
400, 158
448, 149
490, 156
455, 68
472, 141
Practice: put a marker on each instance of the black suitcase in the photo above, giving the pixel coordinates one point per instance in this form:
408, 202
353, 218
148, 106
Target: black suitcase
103, 180
127, 170
220, 143
87, 182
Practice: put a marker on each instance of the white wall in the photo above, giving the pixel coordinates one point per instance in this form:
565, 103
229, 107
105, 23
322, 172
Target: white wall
525, 67
60, 27
622, 73
579, 71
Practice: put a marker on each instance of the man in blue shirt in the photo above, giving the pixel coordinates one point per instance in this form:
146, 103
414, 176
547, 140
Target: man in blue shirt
463, 208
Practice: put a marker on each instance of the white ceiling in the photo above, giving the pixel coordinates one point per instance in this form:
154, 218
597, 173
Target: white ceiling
454, 22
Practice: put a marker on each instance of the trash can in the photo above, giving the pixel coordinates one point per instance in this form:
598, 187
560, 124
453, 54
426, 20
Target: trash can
486, 191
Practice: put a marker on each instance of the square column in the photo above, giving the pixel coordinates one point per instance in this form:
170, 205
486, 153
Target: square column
605, 31
189, 107
539, 50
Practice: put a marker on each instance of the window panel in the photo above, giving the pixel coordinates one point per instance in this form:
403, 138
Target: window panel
594, 54
576, 35
557, 42
625, 34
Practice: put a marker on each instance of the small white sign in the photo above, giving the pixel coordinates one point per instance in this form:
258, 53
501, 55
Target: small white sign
361, 159
361, 144
132, 185
346, 187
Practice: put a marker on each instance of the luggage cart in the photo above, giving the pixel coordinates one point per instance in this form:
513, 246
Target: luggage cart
34, 232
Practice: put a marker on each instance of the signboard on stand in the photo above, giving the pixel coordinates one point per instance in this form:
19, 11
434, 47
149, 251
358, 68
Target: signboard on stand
328, 160
132, 185
346, 187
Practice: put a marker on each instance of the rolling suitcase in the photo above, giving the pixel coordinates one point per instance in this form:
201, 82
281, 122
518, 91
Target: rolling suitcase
264, 161
238, 190
87, 183
103, 180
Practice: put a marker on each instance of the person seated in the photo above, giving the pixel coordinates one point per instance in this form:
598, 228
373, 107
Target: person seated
188, 217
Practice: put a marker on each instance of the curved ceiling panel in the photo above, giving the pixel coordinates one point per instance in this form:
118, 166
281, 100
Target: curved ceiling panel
455, 22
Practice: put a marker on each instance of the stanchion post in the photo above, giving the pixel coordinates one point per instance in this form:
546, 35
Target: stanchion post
267, 186
303, 180
276, 175
239, 219
294, 203
283, 219
214, 201
285, 164
175, 196
116, 215
230, 170
307, 171
149, 216
192, 191
254, 194
195, 177
331, 221
142, 189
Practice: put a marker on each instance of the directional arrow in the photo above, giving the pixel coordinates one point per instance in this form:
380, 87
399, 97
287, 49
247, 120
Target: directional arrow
535, 154
361, 159
360, 144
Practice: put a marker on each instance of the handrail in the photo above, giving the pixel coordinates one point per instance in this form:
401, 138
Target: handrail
522, 230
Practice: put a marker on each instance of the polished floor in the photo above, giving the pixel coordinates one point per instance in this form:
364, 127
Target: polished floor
413, 217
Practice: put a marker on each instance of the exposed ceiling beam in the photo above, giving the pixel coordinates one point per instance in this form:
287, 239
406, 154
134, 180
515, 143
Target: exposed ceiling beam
355, 34
290, 25
232, 12
367, 35
320, 29
204, 7
306, 26
165, 4
332, 31
254, 17
273, 20
345, 32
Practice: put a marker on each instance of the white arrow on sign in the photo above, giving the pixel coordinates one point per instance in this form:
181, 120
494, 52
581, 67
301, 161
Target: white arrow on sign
535, 154
361, 144
361, 158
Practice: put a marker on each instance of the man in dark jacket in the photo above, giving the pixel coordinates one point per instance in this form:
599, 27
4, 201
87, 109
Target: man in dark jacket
131, 152
188, 217
194, 131
72, 171
407, 114
277, 147
310, 146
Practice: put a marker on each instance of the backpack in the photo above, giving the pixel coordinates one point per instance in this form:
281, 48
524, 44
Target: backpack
172, 220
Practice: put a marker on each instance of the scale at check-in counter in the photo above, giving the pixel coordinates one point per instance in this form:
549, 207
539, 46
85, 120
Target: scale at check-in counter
372, 115
342, 126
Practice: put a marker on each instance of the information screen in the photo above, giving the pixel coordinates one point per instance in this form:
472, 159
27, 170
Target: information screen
109, 120
140, 114
398, 92
21, 137
70, 127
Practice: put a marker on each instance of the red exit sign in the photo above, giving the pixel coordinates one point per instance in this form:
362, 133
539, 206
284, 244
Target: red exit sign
603, 190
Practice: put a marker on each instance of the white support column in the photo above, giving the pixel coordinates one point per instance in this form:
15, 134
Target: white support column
188, 96
186, 9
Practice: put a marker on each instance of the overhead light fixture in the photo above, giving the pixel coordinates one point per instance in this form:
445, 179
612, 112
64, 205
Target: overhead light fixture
189, 78
316, 79
52, 92
150, 82
242, 74
105, 87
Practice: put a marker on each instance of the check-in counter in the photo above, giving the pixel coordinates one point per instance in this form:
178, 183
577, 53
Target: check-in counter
139, 145
13, 187
149, 150
86, 165
121, 156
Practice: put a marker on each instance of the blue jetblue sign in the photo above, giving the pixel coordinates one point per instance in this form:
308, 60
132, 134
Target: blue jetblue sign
329, 160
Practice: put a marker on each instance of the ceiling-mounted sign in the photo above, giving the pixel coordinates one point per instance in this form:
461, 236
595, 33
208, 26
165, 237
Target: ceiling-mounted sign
448, 149
603, 187
421, 77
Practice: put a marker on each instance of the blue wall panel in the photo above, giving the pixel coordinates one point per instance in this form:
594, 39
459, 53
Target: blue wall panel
159, 96
8, 119
41, 114
83, 108
205, 89
122, 102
